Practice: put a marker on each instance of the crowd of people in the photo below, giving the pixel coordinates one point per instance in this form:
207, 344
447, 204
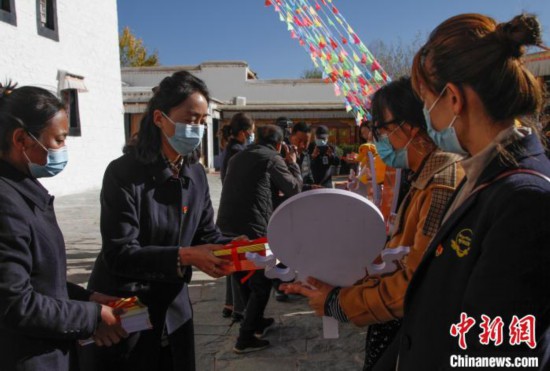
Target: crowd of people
473, 216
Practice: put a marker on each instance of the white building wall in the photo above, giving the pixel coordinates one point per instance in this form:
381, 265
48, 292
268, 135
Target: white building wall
87, 46
227, 80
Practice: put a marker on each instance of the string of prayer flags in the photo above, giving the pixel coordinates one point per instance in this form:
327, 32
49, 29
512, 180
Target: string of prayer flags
335, 48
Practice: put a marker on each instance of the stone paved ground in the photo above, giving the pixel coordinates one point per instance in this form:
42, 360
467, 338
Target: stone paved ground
296, 341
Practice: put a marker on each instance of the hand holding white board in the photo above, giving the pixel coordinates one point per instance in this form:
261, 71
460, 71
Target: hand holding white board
330, 234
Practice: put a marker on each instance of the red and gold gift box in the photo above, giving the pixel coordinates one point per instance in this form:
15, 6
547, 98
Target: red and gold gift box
236, 253
134, 318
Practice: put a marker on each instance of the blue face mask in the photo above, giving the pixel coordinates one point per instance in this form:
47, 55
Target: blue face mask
57, 160
445, 139
186, 138
396, 158
250, 139
321, 142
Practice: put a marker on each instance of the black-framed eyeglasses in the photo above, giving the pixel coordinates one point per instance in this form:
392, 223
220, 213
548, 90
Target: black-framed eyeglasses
382, 125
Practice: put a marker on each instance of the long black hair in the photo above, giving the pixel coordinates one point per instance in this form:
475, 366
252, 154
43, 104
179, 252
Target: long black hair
399, 98
171, 92
239, 122
28, 107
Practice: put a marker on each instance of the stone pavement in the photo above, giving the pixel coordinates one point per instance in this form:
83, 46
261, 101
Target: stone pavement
296, 340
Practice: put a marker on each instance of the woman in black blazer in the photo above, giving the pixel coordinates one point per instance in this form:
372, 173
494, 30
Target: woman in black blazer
482, 288
156, 224
39, 323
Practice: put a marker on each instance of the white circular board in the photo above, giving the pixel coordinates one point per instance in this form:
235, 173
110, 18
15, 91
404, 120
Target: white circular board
329, 234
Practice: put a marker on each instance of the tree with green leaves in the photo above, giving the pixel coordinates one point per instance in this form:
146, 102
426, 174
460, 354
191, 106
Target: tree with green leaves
133, 53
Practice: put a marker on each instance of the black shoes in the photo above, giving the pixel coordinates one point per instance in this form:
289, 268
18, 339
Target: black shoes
227, 312
250, 345
237, 317
266, 324
254, 343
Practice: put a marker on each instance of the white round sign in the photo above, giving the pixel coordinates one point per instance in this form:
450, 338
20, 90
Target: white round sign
329, 234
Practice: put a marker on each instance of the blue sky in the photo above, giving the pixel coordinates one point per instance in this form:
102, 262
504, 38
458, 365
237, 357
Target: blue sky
190, 32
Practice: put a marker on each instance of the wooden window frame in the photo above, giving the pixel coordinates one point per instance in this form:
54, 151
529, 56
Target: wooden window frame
9, 16
70, 98
51, 31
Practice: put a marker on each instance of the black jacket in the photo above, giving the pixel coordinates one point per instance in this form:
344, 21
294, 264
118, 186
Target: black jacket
254, 177
146, 215
38, 322
304, 161
491, 257
233, 147
323, 167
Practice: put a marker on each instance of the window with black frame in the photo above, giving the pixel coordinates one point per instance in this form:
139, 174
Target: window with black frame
7, 12
46, 14
70, 98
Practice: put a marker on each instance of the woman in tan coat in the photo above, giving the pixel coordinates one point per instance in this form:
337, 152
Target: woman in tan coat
402, 142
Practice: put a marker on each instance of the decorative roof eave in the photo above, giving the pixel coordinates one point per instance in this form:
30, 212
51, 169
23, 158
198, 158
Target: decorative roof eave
141, 107
143, 95
294, 112
297, 115
285, 107
196, 67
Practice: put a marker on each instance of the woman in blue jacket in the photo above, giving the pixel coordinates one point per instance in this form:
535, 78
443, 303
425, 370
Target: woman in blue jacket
156, 224
39, 323
483, 286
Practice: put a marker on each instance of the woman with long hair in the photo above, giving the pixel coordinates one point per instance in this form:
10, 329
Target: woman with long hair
156, 225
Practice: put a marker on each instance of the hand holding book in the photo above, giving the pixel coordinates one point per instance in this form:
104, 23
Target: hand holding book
118, 319
109, 331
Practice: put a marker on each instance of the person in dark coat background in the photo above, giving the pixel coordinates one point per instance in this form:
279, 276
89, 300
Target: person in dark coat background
300, 138
324, 161
223, 135
156, 224
41, 314
242, 135
486, 271
254, 176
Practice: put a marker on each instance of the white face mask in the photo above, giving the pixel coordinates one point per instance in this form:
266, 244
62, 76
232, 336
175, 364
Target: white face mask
445, 139
250, 139
56, 162
186, 138
396, 158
